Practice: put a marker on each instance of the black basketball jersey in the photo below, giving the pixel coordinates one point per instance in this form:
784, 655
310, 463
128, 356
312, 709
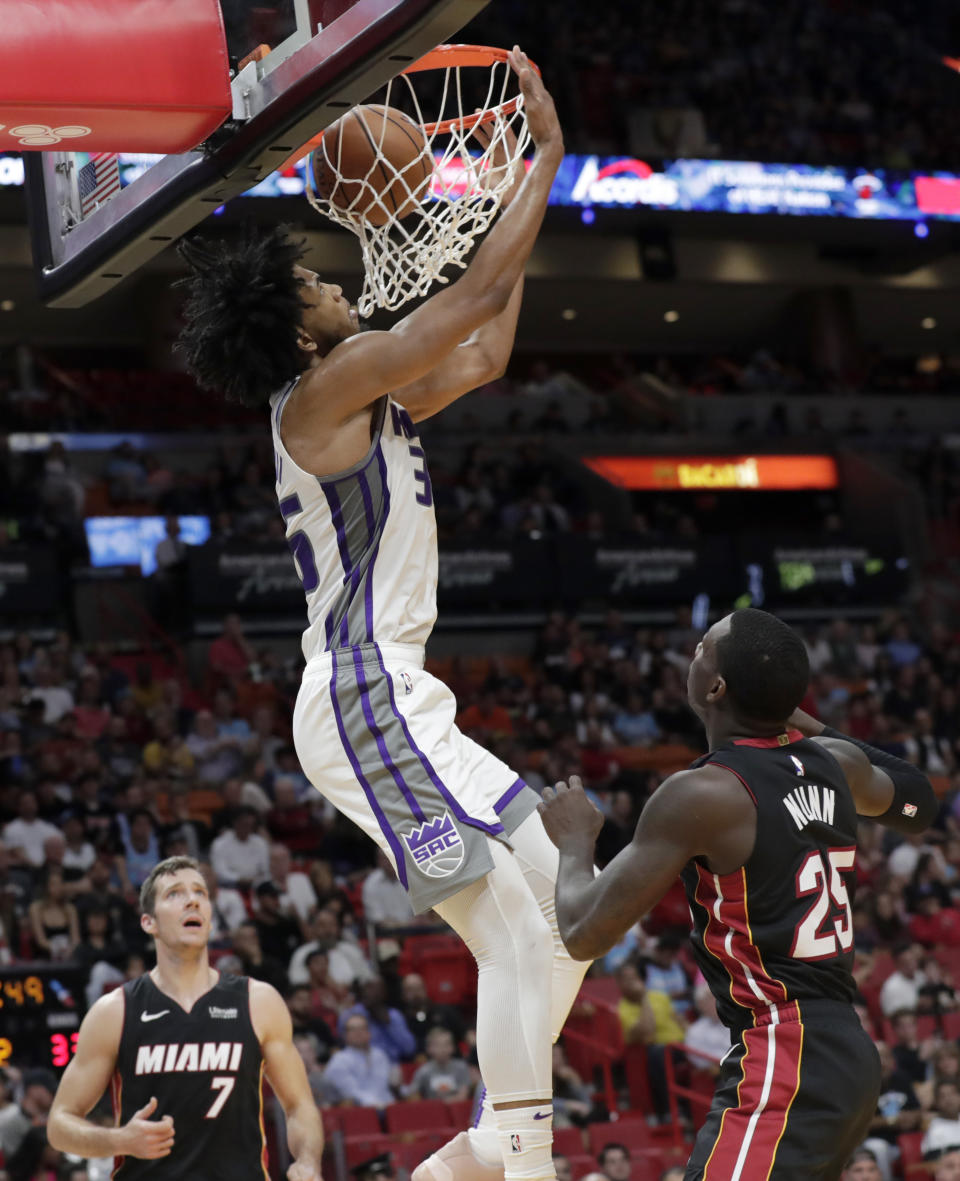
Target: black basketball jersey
206, 1068
780, 929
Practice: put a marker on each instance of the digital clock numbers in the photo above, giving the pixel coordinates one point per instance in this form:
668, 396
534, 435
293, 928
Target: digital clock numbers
17, 993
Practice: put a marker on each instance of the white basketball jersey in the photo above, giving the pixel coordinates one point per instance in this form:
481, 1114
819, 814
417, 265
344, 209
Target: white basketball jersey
364, 540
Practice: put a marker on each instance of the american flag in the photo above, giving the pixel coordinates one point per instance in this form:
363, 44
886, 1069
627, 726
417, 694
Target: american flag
98, 180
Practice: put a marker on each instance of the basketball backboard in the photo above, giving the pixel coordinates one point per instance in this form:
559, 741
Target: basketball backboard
324, 57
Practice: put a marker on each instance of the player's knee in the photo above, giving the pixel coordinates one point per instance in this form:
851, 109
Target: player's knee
533, 937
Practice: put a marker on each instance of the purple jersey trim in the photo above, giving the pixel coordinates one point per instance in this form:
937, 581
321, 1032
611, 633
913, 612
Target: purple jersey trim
513, 790
493, 830
385, 828
375, 730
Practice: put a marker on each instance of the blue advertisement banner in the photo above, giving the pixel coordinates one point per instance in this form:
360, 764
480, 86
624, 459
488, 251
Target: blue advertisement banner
702, 186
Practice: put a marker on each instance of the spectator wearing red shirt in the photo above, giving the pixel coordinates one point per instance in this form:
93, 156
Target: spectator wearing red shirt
230, 654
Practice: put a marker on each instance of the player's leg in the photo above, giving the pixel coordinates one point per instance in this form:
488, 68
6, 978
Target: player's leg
793, 1099
501, 922
539, 862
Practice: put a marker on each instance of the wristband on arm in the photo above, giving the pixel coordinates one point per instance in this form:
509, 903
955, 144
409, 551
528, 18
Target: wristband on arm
914, 805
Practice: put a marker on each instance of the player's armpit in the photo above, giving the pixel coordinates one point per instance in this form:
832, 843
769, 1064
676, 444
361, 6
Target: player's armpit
703, 812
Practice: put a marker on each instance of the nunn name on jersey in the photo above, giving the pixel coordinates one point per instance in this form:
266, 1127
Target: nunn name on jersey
809, 801
190, 1057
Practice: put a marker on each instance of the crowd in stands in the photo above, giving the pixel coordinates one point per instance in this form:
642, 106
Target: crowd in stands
801, 82
108, 763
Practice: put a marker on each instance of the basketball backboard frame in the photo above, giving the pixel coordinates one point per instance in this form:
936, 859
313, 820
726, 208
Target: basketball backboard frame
301, 87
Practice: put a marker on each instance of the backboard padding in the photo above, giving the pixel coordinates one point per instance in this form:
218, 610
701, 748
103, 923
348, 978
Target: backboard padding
349, 59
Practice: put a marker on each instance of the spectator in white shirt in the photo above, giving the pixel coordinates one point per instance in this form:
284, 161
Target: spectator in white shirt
24, 837
707, 1034
901, 990
385, 901
297, 895
943, 1131
903, 860
57, 698
239, 855
346, 963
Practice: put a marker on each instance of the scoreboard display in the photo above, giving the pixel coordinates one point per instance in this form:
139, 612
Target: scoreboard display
41, 1007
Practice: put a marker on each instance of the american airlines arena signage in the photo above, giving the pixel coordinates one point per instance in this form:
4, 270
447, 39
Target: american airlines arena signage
702, 186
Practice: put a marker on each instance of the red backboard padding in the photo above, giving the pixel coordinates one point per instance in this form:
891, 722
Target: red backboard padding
112, 75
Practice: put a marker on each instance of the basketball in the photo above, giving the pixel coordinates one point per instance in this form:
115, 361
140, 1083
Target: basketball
373, 163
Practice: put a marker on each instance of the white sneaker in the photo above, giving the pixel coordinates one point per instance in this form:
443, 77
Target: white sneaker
455, 1161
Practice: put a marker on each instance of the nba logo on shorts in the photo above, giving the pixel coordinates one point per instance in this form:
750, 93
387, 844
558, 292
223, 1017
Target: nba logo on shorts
407, 682
436, 847
514, 1143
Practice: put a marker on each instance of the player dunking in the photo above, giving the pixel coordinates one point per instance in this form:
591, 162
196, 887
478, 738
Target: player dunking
763, 831
374, 732
188, 1046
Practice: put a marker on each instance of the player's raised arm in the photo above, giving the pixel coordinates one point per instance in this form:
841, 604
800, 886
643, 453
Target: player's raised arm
83, 1083
704, 812
887, 789
363, 367
288, 1077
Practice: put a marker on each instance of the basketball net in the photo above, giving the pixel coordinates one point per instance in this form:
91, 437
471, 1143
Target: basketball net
461, 196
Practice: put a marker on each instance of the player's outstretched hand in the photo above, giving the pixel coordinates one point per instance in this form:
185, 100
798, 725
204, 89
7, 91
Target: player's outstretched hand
537, 103
303, 1171
146, 1138
568, 816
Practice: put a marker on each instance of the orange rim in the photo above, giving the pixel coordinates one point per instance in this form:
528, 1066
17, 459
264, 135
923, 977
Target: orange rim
439, 59
465, 55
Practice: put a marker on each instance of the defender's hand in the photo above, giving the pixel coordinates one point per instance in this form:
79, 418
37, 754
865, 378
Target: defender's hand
537, 103
567, 814
147, 1138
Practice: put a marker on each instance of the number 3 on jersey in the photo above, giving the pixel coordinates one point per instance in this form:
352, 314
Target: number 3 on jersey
403, 425
814, 939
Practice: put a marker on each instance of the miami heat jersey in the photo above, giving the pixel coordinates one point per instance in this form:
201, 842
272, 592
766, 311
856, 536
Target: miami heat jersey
780, 929
205, 1068
364, 540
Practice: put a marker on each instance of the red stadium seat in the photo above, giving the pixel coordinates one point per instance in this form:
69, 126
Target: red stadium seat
354, 1121
423, 1115
911, 1154
460, 1113
567, 1141
950, 1026
582, 1164
363, 1148
632, 1133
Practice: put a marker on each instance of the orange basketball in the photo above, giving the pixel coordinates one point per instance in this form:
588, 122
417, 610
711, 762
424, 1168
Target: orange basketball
373, 163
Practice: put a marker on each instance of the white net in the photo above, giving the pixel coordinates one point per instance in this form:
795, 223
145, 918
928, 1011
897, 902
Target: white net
466, 176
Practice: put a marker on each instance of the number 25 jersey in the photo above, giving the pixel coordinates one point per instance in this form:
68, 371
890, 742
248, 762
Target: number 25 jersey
364, 540
780, 929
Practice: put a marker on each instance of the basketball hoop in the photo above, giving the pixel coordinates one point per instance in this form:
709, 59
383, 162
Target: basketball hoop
464, 86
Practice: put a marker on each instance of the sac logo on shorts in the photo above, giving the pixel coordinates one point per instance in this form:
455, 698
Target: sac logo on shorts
436, 847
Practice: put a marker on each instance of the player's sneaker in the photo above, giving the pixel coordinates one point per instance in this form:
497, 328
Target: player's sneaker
455, 1161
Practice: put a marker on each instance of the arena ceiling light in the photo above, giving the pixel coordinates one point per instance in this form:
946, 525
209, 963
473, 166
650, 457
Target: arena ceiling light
672, 316
928, 322
568, 314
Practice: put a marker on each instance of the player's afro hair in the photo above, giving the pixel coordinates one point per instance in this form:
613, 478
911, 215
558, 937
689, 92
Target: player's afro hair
765, 665
241, 314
